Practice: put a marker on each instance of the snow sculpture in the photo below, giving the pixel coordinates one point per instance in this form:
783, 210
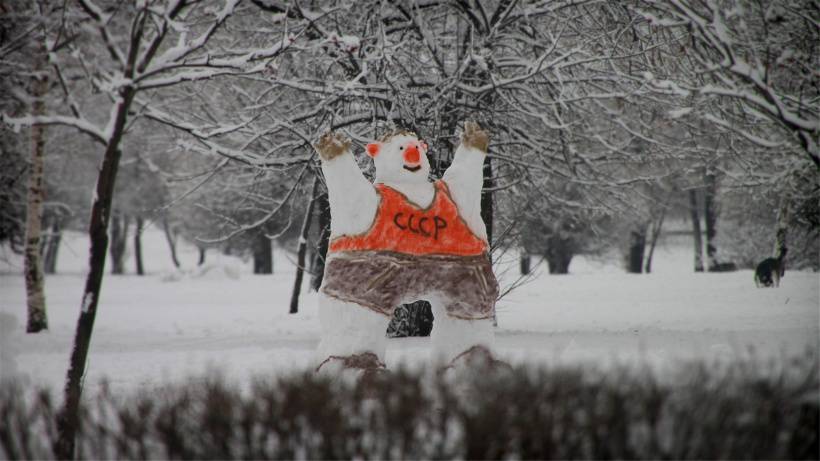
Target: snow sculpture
402, 239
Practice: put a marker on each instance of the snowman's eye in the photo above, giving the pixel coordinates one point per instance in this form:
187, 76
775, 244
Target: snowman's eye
401, 148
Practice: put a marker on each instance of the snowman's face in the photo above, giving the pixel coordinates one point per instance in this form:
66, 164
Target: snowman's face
400, 159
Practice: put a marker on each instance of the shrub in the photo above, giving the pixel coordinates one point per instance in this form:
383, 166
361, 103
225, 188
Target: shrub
731, 411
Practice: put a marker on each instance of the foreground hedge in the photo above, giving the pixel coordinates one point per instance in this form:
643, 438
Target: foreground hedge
740, 411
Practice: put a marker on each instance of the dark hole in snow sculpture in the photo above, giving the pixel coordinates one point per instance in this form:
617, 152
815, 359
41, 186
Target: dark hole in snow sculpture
414, 319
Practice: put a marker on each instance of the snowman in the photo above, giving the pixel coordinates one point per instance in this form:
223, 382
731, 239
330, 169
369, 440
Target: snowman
401, 239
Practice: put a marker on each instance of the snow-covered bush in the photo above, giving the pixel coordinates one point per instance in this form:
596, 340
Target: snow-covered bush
742, 410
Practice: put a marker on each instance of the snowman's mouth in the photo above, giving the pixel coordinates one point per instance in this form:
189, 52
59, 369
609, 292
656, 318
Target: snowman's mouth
412, 168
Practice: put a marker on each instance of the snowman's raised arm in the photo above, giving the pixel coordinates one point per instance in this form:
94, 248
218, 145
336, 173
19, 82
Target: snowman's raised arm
353, 199
465, 177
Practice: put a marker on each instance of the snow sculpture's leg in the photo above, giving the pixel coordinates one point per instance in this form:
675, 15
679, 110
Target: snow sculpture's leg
453, 336
353, 337
349, 329
353, 199
464, 177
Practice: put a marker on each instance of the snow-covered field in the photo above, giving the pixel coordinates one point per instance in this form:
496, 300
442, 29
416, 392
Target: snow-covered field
163, 327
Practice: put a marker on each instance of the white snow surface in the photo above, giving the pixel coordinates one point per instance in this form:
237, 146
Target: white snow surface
158, 328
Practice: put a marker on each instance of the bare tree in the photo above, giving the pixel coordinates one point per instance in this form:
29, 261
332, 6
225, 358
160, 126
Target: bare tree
52, 244
760, 56
119, 241
710, 218
323, 223
171, 239
303, 243
654, 235
697, 233
132, 63
139, 268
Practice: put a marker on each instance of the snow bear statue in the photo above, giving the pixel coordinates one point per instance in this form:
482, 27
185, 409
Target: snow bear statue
402, 239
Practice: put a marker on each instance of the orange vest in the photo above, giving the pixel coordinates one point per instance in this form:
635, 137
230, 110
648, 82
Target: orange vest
402, 227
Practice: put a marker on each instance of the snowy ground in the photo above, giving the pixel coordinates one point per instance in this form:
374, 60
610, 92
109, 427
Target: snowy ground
164, 327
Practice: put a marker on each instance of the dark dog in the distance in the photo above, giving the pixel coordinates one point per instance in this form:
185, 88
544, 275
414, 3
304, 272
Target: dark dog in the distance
770, 271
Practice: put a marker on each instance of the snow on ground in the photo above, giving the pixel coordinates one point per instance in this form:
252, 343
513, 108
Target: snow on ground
167, 326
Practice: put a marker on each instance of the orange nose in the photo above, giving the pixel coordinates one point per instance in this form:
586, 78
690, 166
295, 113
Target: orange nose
411, 154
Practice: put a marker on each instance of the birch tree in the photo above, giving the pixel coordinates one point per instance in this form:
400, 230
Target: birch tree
35, 295
25, 82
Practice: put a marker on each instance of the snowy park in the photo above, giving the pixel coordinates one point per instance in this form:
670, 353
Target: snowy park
174, 326
170, 325
422, 229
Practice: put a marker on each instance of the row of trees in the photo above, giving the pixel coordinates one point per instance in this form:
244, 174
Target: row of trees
606, 117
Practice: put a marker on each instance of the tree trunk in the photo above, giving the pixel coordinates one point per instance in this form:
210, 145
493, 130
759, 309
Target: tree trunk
68, 418
323, 206
558, 256
696, 232
300, 259
559, 265
710, 218
119, 239
53, 246
487, 199
782, 229
172, 241
35, 296
637, 247
262, 254
138, 246
524, 263
656, 232
202, 251
487, 209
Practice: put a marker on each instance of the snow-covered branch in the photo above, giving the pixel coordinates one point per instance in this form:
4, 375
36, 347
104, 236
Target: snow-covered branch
267, 216
733, 47
82, 125
101, 19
